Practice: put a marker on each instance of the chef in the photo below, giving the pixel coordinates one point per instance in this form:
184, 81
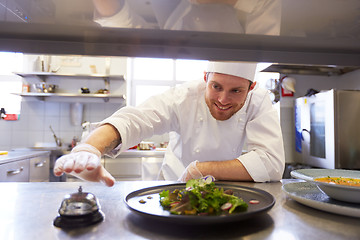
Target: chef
209, 123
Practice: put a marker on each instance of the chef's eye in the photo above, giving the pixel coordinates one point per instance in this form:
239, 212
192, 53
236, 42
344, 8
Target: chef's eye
216, 87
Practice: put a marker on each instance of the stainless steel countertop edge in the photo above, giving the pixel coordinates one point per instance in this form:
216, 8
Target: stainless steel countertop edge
13, 156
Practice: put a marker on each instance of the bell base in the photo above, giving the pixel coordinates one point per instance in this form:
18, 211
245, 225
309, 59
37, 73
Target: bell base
70, 222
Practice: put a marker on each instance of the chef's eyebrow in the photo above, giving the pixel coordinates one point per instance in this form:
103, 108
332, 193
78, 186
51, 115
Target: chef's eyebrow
221, 85
207, 78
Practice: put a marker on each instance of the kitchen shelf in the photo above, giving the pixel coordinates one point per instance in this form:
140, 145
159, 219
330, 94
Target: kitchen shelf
44, 75
42, 96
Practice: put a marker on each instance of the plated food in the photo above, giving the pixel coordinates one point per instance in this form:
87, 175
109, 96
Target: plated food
340, 180
338, 184
202, 197
146, 203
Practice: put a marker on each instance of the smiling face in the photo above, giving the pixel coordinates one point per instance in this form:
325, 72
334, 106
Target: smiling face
226, 94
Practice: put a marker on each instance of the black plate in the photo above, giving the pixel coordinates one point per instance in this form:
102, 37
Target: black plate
152, 208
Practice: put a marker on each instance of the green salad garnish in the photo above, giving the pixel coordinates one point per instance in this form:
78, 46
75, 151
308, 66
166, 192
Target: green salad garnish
201, 197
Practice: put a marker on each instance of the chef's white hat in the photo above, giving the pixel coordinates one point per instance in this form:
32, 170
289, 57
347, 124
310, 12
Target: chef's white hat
240, 69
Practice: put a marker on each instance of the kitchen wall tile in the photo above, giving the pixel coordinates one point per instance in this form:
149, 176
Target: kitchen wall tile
6, 136
52, 108
96, 109
5, 126
36, 122
5, 146
35, 137
94, 112
65, 110
36, 108
67, 133
24, 107
22, 123
94, 119
19, 139
53, 121
65, 124
87, 114
111, 108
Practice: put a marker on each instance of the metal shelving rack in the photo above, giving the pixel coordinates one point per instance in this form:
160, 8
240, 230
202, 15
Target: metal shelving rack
43, 76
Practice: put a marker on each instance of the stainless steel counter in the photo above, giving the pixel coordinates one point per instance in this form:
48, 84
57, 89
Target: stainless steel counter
28, 210
19, 155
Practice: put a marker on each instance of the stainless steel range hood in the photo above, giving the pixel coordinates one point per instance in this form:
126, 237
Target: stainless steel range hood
323, 70
322, 32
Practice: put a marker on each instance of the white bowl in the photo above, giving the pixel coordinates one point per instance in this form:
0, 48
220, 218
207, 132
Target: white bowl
335, 191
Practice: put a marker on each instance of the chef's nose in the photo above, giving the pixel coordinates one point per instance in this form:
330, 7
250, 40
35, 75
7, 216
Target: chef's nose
224, 98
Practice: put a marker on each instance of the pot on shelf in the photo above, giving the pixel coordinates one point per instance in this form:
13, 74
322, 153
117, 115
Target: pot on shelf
44, 87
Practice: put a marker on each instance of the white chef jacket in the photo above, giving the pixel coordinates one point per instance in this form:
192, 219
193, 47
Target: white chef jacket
196, 135
246, 16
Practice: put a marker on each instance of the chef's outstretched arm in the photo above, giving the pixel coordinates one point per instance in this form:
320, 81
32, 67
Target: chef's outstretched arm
84, 161
231, 170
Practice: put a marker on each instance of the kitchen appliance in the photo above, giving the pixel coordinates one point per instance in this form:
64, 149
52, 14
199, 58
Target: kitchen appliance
327, 130
79, 209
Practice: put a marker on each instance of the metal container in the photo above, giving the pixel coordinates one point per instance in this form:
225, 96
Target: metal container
44, 87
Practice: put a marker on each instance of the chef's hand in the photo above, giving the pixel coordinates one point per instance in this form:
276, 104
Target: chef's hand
191, 172
84, 162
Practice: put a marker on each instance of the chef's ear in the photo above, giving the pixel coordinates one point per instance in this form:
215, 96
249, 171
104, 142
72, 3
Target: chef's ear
206, 76
252, 85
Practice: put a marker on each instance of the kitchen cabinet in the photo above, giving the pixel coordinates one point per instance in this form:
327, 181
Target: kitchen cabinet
39, 169
24, 165
135, 165
124, 168
17, 171
44, 76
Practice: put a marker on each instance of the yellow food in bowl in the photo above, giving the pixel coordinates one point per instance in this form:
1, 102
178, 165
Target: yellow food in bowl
340, 180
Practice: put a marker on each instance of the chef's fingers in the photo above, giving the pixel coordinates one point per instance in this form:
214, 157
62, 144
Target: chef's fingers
58, 167
93, 162
63, 164
84, 160
184, 177
191, 172
106, 178
69, 162
81, 159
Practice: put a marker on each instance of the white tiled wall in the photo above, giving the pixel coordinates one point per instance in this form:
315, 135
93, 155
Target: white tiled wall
37, 116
